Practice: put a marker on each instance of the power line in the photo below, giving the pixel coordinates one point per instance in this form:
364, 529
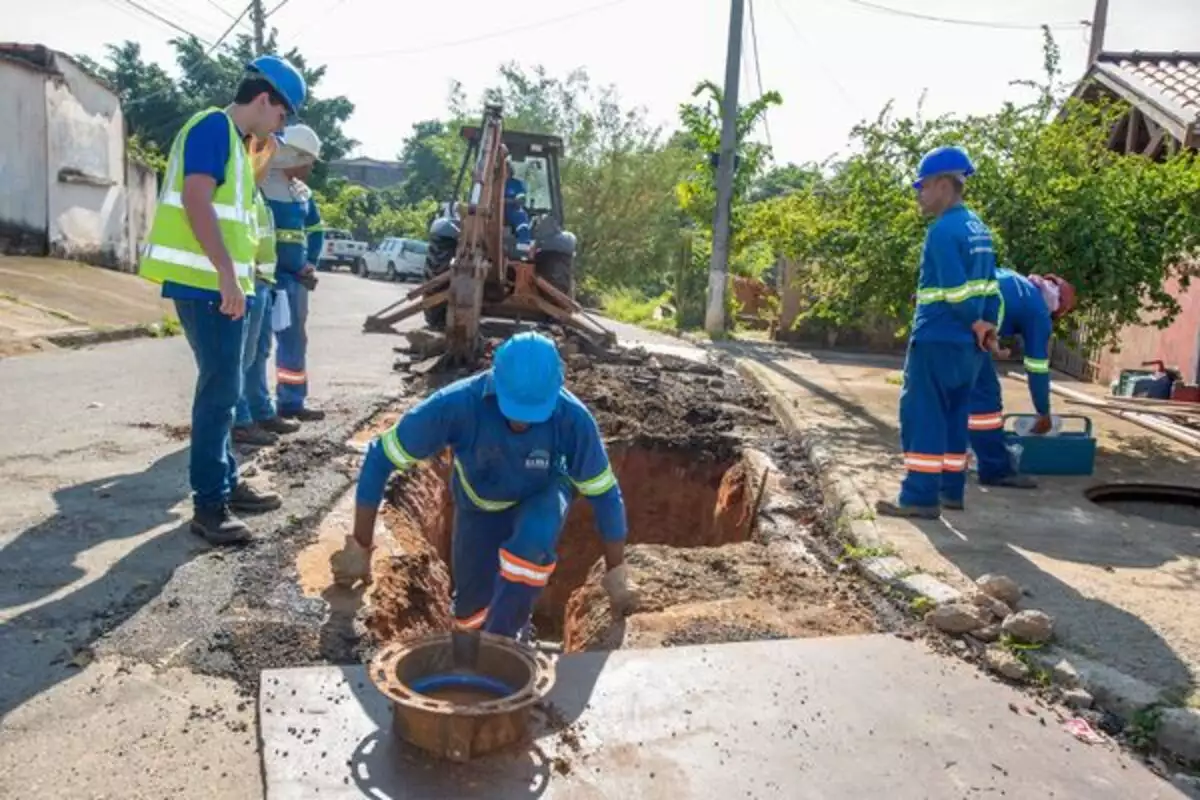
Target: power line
1011, 26
484, 37
758, 72
315, 18
229, 30
164, 20
846, 97
278, 6
228, 14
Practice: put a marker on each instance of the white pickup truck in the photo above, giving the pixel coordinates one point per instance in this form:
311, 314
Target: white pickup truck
341, 250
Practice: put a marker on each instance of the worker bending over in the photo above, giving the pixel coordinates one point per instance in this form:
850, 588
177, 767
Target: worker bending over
522, 446
958, 305
299, 237
1030, 307
255, 420
201, 249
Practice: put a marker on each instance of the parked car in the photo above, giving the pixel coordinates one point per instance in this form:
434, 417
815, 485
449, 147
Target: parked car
341, 250
395, 259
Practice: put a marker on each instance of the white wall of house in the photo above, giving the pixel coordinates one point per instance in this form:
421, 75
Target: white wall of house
86, 169
141, 191
23, 165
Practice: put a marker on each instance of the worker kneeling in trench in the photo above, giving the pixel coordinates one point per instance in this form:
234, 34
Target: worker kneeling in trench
515, 433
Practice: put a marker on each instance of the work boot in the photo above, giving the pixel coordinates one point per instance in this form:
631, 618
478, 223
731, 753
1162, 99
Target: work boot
253, 435
279, 425
886, 508
304, 414
953, 504
248, 500
218, 526
1014, 481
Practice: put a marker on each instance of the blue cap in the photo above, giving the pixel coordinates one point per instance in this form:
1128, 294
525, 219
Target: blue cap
528, 376
944, 161
283, 77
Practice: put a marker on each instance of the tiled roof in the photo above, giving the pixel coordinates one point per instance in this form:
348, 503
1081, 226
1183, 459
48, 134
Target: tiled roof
1164, 85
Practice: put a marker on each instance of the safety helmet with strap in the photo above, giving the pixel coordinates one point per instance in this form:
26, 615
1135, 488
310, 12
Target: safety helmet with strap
172, 252
949, 160
284, 78
528, 375
302, 139
1066, 295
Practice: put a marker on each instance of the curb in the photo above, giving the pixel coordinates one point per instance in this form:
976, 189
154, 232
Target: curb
91, 336
1177, 729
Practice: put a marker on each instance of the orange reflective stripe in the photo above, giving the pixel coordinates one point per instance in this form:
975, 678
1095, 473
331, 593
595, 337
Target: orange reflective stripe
985, 422
474, 621
290, 376
955, 463
922, 462
518, 570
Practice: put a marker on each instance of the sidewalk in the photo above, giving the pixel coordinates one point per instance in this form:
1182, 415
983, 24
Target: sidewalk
46, 302
1123, 588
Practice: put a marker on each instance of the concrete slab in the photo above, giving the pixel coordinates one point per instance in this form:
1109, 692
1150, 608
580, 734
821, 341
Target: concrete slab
853, 717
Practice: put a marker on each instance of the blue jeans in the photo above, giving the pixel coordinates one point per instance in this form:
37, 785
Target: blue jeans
216, 342
255, 404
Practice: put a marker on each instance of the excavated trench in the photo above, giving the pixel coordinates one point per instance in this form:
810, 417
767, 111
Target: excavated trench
678, 498
681, 437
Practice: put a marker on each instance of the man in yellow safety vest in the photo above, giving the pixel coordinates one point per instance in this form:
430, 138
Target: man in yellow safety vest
202, 249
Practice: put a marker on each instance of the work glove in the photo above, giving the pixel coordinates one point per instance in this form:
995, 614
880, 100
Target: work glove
622, 594
308, 280
351, 564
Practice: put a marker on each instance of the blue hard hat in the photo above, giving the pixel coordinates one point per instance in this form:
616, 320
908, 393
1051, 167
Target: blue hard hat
944, 161
284, 79
528, 376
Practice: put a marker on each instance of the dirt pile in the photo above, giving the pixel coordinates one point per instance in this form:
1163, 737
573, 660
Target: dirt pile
709, 595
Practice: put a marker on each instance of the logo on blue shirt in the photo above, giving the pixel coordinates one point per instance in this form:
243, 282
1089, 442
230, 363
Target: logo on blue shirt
538, 459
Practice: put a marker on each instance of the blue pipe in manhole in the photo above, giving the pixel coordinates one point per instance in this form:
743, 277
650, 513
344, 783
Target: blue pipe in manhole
461, 681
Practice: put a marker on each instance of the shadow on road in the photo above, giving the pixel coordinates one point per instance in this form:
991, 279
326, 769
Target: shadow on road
47, 643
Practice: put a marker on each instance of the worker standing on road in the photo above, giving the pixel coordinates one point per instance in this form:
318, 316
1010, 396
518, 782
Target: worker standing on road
515, 214
1030, 307
299, 238
255, 420
958, 304
522, 447
201, 249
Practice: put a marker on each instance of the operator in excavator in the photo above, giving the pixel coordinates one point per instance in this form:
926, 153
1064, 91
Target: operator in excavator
1029, 306
515, 215
299, 236
523, 447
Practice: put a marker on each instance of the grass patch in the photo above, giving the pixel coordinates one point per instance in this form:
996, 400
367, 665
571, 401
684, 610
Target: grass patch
895, 378
852, 552
633, 307
1142, 733
921, 605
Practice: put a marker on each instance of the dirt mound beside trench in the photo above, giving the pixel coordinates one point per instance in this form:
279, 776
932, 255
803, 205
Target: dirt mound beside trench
710, 595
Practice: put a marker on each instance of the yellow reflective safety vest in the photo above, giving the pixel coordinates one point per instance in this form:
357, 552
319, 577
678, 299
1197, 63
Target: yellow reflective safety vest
264, 259
171, 252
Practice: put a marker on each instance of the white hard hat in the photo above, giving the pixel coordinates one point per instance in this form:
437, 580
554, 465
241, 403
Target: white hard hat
303, 139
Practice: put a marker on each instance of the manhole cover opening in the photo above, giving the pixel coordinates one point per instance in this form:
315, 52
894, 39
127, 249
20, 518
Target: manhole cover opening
1158, 502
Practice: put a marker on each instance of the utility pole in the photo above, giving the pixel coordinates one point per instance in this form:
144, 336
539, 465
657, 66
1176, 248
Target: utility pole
1099, 24
258, 17
718, 268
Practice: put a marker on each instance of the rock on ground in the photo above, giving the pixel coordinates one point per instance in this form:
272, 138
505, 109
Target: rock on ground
957, 618
998, 609
1004, 663
988, 633
1078, 698
1034, 627
707, 595
1001, 587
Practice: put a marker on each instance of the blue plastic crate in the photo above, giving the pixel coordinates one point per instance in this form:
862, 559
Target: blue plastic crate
1069, 452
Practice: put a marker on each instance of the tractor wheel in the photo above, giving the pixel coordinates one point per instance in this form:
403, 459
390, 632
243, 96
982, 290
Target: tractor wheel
558, 269
437, 261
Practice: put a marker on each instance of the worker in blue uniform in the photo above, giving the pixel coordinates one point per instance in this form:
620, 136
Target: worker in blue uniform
201, 249
299, 235
515, 215
1030, 306
523, 447
954, 326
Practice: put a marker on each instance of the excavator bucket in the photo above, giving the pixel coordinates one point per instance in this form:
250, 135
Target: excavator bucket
483, 279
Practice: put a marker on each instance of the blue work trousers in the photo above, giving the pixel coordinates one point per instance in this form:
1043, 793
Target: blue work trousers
291, 378
986, 427
501, 560
938, 377
216, 342
517, 218
255, 404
